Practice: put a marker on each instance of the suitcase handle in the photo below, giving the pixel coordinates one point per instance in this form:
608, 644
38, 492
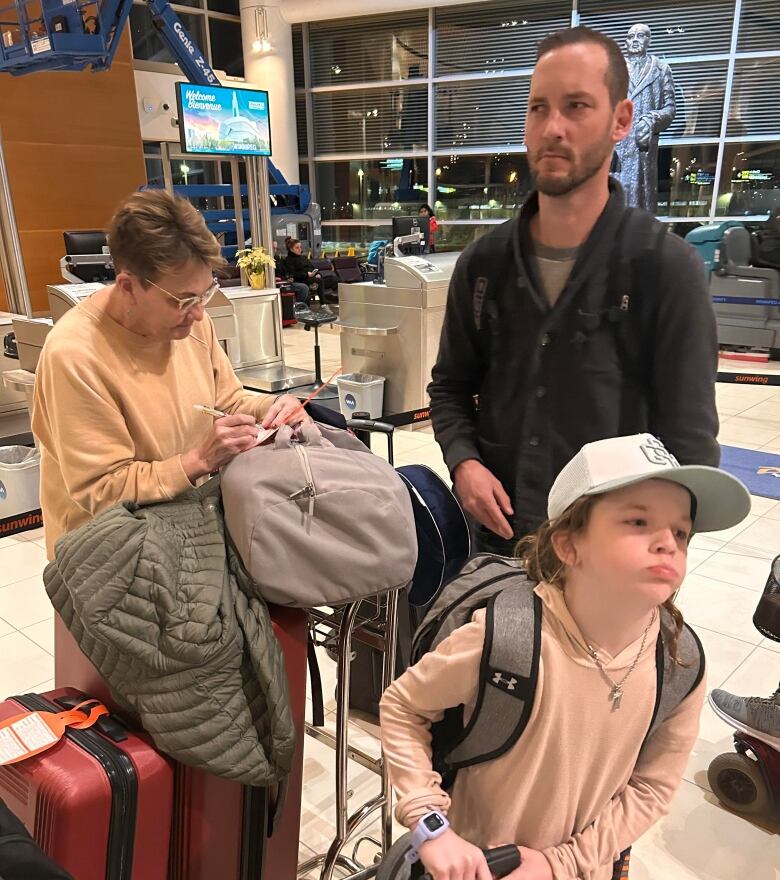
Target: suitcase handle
108, 725
361, 424
501, 861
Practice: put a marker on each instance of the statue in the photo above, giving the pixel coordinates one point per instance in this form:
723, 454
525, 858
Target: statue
651, 88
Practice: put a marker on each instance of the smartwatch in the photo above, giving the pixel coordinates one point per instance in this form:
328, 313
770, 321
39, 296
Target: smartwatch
429, 826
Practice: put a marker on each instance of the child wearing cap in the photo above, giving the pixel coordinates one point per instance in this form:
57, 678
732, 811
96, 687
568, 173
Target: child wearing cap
580, 784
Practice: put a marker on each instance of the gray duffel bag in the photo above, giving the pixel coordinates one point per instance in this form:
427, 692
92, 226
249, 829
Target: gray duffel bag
318, 520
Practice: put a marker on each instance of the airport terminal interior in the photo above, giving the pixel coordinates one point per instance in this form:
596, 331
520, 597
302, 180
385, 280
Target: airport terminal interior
343, 155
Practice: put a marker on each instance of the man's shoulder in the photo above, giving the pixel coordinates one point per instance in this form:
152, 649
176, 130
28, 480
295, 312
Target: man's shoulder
492, 244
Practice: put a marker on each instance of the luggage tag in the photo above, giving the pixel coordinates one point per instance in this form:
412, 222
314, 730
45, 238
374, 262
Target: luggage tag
31, 733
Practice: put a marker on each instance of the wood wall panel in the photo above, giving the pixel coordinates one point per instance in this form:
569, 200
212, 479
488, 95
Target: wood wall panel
44, 200
73, 150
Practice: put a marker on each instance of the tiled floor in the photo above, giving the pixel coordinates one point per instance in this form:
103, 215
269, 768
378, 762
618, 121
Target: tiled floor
698, 840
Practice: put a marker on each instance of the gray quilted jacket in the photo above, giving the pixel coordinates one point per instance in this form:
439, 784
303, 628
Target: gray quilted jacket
164, 610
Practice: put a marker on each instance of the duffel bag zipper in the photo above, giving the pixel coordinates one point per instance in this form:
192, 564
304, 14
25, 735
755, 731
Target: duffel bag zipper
309, 490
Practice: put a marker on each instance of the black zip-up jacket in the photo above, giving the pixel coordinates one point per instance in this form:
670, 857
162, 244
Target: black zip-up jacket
299, 267
551, 382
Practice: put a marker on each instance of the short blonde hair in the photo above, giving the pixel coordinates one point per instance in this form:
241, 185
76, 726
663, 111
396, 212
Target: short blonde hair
153, 233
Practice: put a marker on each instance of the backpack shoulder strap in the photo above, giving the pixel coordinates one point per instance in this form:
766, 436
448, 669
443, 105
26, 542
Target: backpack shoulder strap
675, 681
508, 676
632, 302
487, 270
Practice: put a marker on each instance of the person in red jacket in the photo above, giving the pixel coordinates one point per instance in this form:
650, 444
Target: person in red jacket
427, 211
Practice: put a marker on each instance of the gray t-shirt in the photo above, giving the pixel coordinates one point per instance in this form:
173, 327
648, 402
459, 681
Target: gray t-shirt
553, 266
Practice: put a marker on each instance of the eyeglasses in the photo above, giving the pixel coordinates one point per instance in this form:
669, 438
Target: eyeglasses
189, 302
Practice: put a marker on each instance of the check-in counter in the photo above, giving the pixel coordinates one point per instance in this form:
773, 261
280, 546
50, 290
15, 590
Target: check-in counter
63, 297
393, 329
14, 416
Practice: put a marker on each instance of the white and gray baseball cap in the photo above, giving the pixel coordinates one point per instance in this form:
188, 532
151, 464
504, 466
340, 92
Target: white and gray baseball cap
722, 500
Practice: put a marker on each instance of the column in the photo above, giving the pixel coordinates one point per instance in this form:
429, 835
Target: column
271, 68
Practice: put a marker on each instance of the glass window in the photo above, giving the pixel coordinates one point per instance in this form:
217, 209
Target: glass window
371, 121
750, 179
491, 37
151, 148
699, 91
341, 238
154, 172
303, 172
376, 47
486, 187
188, 171
678, 27
229, 7
758, 26
300, 125
485, 114
371, 189
147, 45
455, 236
753, 108
686, 180
196, 3
227, 52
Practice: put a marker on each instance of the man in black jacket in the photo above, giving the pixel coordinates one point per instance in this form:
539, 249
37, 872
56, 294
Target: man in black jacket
533, 328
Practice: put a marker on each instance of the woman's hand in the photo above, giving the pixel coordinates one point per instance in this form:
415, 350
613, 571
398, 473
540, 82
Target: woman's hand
228, 437
450, 857
282, 409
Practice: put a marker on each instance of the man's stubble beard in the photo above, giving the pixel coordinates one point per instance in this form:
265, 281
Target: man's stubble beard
579, 175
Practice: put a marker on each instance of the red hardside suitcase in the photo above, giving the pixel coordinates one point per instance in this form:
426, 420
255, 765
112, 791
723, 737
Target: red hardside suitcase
220, 828
100, 802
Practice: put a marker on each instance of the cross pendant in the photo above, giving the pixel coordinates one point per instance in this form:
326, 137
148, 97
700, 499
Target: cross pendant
616, 696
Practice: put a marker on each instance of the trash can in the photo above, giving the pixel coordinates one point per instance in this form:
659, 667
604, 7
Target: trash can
20, 470
361, 392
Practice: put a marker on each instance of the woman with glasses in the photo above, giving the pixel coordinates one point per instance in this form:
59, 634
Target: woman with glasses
120, 375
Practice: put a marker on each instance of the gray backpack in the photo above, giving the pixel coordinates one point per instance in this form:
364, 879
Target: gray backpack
510, 662
318, 520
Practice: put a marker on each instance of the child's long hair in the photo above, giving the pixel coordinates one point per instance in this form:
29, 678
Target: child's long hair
542, 562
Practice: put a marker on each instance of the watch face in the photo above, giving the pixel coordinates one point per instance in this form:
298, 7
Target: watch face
433, 822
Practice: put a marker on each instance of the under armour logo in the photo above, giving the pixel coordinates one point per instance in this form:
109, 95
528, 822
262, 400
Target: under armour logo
507, 684
657, 453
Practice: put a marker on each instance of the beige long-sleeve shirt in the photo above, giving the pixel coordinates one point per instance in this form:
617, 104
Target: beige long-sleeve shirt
113, 412
574, 784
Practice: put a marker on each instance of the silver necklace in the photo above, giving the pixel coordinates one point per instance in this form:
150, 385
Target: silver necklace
616, 694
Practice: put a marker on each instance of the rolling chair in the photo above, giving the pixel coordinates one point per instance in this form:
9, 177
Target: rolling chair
750, 325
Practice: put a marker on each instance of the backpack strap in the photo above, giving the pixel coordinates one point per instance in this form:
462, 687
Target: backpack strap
631, 304
509, 671
675, 681
488, 269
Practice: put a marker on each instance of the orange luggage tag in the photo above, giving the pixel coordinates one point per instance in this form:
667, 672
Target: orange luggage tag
31, 733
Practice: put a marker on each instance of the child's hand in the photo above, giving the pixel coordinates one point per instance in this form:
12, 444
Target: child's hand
534, 866
450, 857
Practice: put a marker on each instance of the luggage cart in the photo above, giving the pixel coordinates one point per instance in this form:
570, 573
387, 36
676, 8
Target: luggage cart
337, 628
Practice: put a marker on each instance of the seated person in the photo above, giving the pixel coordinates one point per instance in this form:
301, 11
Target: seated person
767, 252
284, 274
302, 271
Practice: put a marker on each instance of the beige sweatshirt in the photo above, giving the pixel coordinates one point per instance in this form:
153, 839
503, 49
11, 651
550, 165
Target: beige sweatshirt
573, 785
113, 412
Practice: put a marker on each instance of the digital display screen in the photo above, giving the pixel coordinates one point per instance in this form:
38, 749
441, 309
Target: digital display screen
218, 119
433, 823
